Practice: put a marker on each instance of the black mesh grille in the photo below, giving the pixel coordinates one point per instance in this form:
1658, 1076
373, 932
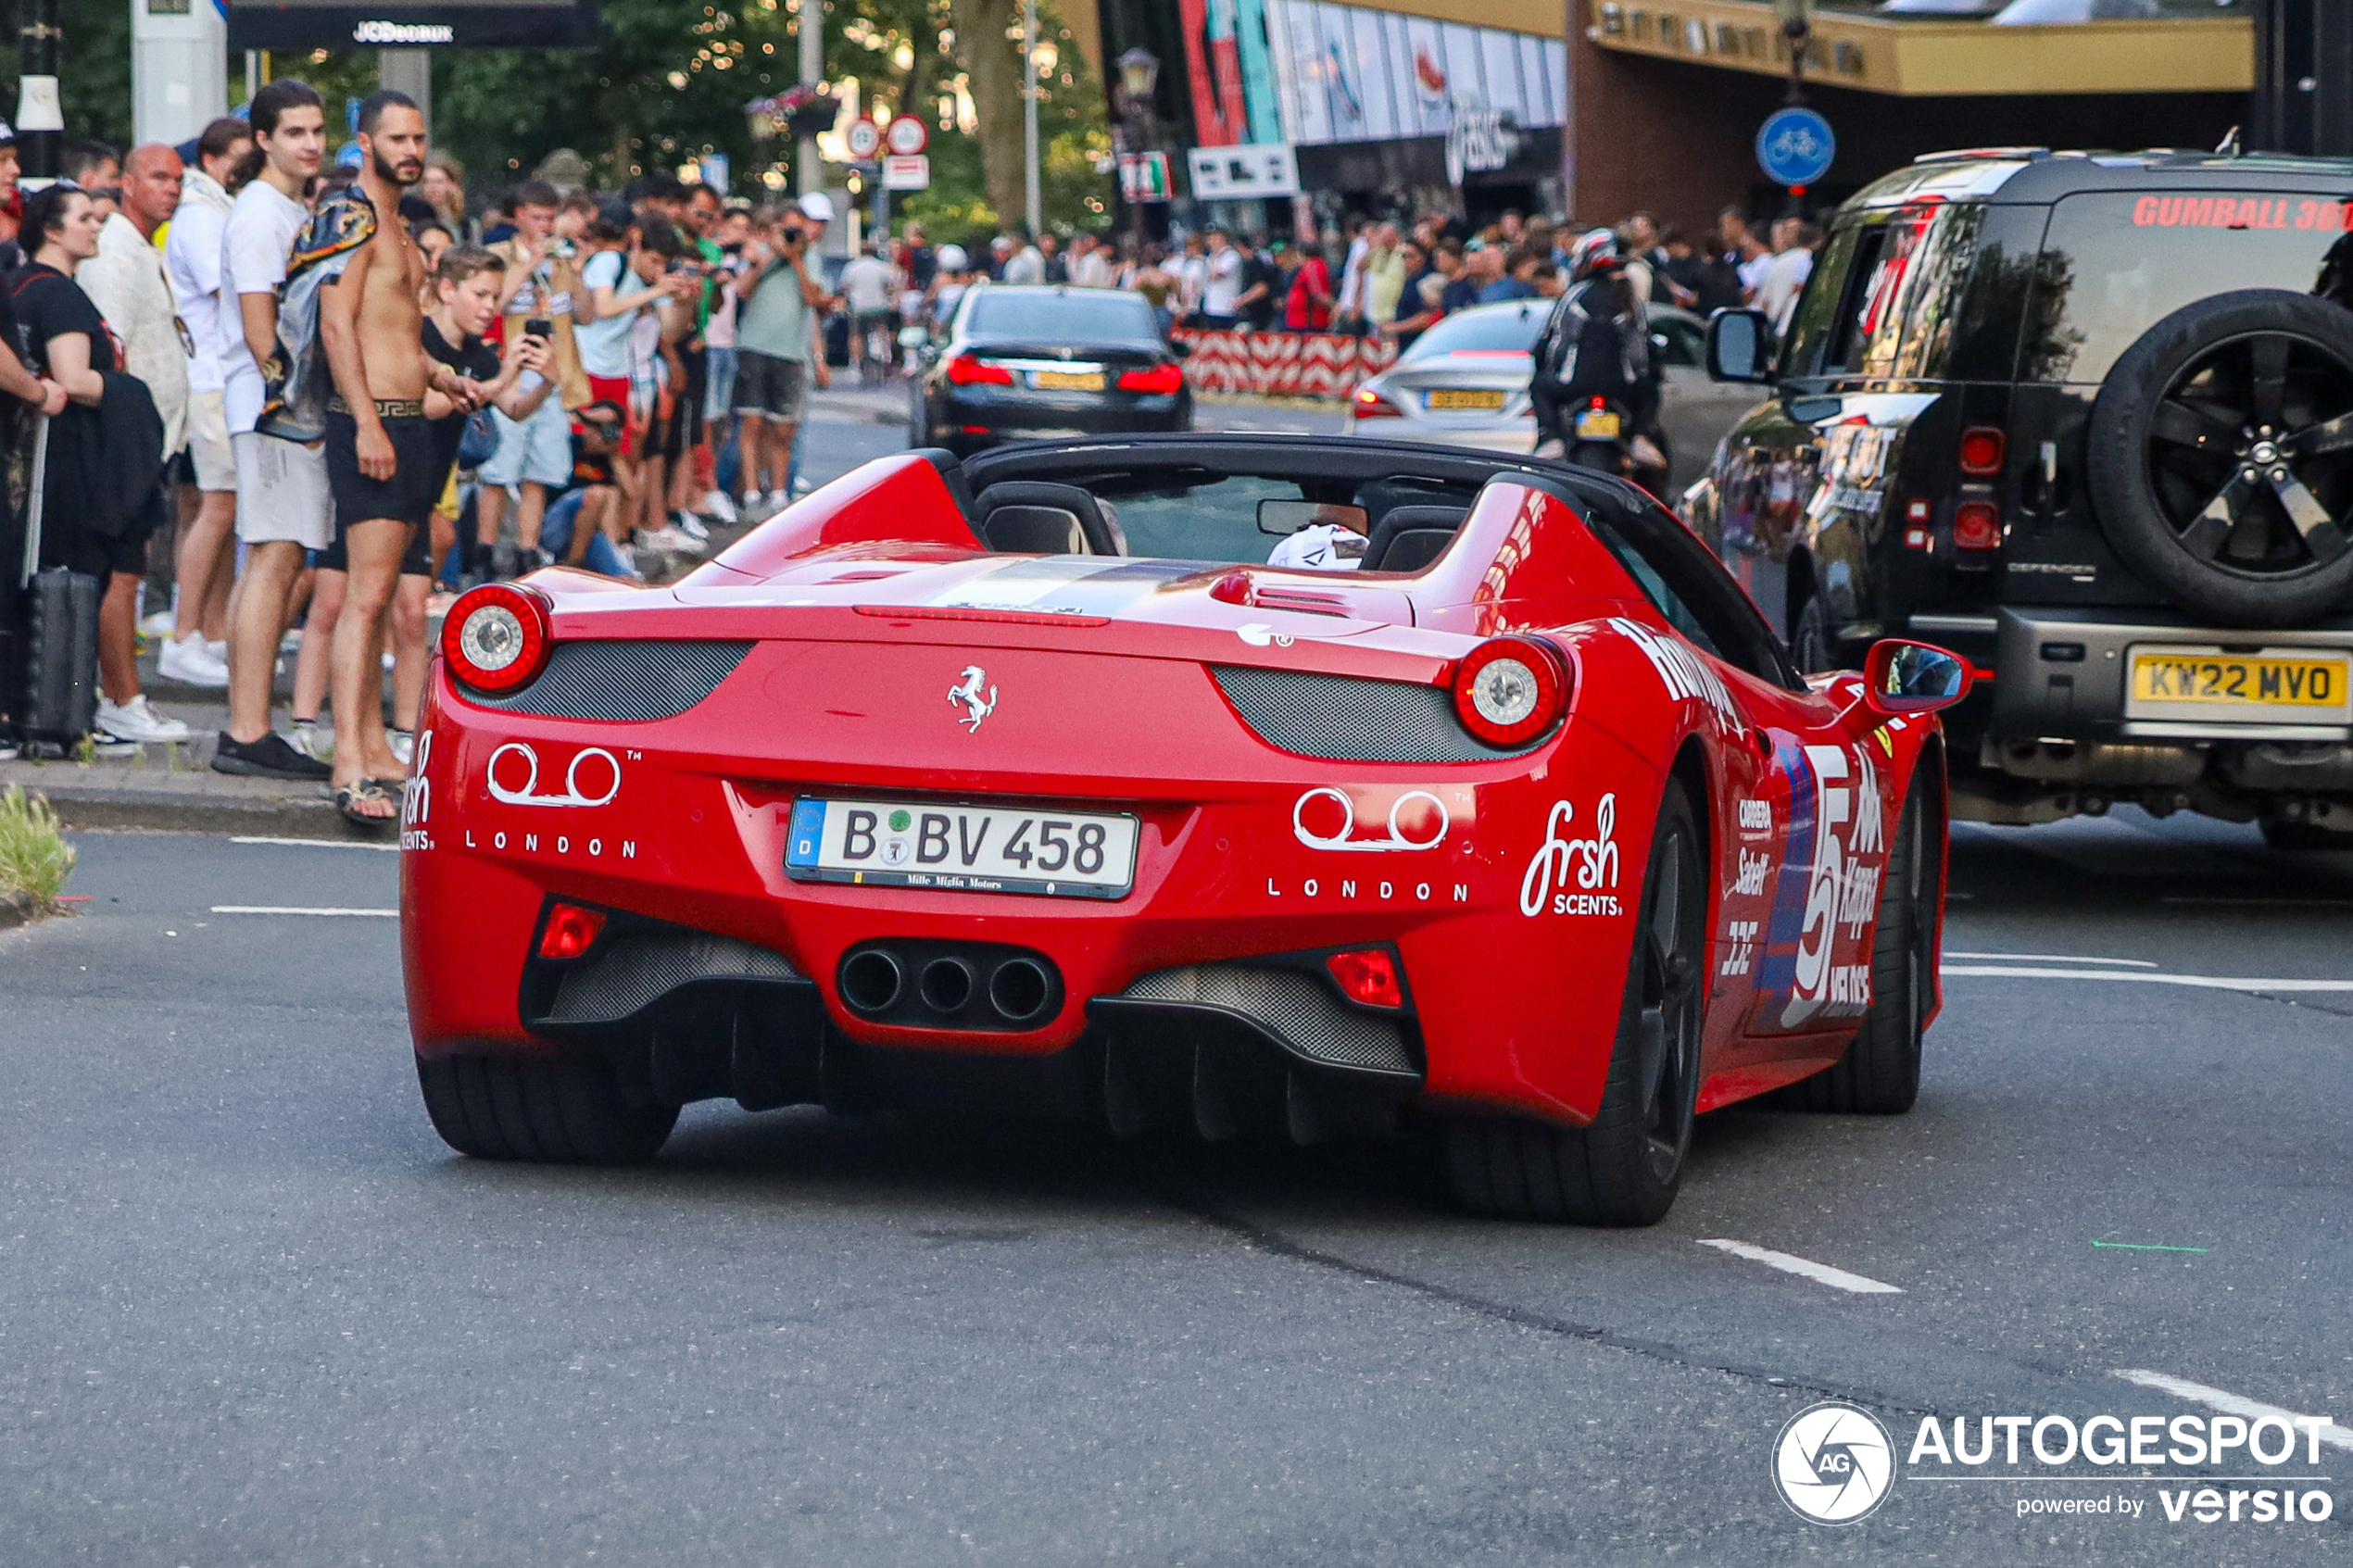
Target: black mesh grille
1292, 1005
637, 679
1347, 720
635, 969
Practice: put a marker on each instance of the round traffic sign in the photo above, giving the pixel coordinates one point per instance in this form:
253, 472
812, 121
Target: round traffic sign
907, 135
863, 138
1796, 146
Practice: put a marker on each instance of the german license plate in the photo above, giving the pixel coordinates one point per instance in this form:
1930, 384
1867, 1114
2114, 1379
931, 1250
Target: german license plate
1597, 424
2210, 683
962, 849
1067, 381
1460, 401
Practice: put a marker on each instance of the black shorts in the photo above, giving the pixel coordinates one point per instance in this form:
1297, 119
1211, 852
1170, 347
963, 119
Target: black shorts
416, 561
408, 497
99, 555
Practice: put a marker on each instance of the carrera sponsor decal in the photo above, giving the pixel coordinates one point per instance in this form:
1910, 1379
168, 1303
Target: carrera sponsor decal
2241, 212
1756, 818
1684, 673
966, 694
592, 778
1325, 817
1594, 863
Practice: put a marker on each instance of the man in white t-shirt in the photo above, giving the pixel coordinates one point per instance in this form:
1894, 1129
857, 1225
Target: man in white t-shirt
284, 505
1223, 284
1785, 275
864, 285
206, 562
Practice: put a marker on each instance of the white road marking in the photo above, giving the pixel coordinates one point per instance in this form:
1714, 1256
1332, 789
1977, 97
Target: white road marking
2230, 1404
2201, 982
2051, 958
313, 842
1820, 1273
289, 909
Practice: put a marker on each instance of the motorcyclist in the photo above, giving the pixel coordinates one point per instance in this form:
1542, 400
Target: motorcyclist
1597, 344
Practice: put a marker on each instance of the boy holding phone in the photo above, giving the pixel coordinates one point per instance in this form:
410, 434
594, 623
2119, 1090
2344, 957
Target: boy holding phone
539, 288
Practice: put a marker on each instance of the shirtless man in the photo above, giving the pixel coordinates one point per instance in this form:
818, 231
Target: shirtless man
380, 452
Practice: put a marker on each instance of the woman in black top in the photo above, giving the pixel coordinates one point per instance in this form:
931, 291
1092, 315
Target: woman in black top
104, 494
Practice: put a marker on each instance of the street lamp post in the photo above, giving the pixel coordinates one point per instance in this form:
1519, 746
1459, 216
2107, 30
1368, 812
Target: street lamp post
1031, 197
812, 71
1138, 77
1797, 27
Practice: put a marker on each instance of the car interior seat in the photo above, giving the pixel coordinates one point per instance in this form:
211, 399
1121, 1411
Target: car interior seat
1096, 534
1023, 530
1409, 538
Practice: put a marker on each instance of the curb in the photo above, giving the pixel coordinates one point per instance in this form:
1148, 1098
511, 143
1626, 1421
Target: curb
158, 811
16, 909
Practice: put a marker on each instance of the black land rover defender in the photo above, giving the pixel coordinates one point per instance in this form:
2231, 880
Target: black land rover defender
2086, 419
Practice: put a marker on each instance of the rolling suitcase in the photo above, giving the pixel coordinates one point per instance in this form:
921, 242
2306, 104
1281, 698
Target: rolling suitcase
58, 613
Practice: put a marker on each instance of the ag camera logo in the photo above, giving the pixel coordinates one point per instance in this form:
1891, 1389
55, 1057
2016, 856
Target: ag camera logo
1834, 1464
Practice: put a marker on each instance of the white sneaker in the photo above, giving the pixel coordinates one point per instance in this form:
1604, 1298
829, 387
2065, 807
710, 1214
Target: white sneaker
161, 623
628, 559
219, 648
313, 739
137, 722
691, 526
404, 745
717, 505
752, 503
777, 500
190, 663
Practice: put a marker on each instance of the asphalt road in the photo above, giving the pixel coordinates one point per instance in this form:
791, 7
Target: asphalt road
253, 1311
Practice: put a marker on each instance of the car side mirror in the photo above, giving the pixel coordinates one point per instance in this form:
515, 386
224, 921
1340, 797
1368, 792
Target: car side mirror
1905, 677
1739, 347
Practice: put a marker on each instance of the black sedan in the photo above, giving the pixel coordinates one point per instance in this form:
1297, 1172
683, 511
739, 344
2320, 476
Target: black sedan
1025, 363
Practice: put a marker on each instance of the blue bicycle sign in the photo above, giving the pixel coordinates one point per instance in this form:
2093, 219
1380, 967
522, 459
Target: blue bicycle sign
1796, 146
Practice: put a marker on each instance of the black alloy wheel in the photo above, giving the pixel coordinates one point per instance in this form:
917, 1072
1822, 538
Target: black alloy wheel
2221, 456
1624, 1167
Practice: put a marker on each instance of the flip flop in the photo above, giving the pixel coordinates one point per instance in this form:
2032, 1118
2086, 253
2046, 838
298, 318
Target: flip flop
347, 800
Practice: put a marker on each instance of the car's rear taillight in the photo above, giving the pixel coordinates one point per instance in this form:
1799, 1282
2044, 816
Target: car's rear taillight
1977, 525
1159, 379
1367, 975
1982, 450
966, 369
496, 638
1509, 690
1367, 404
569, 932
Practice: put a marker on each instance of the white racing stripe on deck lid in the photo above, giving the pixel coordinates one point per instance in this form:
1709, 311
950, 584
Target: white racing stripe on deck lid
330, 844
2200, 981
2230, 1404
291, 909
1820, 1273
2052, 957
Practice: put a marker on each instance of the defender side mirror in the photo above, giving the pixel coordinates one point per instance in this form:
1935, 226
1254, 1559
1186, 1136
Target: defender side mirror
1902, 677
1740, 347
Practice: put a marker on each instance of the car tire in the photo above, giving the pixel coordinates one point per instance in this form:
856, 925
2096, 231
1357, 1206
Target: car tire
1625, 1166
1810, 645
2169, 447
1879, 1075
560, 1111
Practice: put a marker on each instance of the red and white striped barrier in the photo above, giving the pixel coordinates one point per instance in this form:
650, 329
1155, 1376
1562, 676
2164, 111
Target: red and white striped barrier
1284, 364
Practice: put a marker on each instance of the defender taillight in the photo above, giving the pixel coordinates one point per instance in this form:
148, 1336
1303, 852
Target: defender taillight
1977, 525
1981, 449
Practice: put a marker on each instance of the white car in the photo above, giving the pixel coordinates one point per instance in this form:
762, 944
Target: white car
1465, 383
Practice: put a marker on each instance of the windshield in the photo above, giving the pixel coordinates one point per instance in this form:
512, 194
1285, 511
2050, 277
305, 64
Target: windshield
1206, 517
1482, 332
1082, 316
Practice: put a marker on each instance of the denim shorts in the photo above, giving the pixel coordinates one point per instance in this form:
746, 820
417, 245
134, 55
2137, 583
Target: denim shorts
534, 451
720, 391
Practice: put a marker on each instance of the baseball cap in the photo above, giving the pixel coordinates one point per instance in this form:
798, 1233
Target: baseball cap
818, 206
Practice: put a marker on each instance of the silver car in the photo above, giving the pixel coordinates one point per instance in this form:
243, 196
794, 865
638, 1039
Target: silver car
1465, 383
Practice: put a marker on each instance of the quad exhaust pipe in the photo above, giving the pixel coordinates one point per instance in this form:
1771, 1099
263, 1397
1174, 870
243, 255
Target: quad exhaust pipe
976, 985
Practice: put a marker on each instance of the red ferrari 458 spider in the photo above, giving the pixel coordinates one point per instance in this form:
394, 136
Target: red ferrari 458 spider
1025, 779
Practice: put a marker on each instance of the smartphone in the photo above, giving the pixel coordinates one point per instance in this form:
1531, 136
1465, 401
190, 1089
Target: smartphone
539, 326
